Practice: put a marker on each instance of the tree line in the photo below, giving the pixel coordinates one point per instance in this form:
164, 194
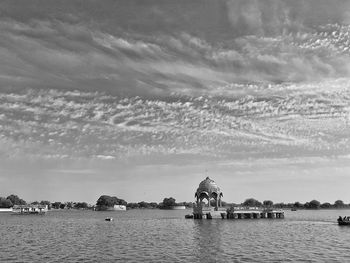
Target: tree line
313, 204
105, 201
11, 200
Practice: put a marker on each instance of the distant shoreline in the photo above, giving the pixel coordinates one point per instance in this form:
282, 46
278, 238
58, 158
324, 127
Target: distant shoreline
6, 209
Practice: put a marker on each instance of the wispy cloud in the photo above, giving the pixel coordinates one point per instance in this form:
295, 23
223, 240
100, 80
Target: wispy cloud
82, 124
65, 53
279, 83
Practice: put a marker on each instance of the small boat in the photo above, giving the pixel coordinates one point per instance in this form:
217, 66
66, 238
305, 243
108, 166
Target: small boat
188, 216
343, 221
109, 219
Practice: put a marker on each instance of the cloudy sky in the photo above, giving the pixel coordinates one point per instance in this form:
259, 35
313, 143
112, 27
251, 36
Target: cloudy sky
144, 99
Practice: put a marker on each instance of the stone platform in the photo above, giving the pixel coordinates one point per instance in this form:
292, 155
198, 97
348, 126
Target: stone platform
236, 213
253, 213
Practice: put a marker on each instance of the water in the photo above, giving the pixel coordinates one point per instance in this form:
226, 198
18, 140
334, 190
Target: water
166, 236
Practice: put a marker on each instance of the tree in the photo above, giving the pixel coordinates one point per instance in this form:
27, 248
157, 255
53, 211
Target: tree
133, 205
280, 205
143, 204
5, 203
251, 202
15, 200
56, 205
298, 205
81, 205
267, 203
153, 205
69, 205
326, 205
106, 201
314, 204
339, 204
167, 203
119, 201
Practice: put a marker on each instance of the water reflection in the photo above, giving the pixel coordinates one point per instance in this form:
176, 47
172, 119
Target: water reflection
209, 239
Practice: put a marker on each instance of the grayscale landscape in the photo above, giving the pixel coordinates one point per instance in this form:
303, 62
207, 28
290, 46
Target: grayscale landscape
142, 100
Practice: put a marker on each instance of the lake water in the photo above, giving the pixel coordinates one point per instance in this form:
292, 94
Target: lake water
166, 236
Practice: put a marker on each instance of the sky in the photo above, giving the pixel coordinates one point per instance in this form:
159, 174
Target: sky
144, 99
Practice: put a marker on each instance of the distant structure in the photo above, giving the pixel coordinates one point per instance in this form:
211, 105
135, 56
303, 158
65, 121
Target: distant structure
178, 207
29, 209
117, 208
209, 191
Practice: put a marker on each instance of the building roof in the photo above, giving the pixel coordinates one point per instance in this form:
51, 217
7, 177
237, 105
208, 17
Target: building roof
208, 186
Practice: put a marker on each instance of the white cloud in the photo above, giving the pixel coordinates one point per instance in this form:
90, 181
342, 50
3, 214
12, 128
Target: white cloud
299, 118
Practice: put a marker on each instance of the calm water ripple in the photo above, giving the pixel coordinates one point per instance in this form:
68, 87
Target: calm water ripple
165, 236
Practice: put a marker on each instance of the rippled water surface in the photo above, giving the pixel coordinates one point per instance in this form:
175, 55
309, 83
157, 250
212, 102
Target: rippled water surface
166, 236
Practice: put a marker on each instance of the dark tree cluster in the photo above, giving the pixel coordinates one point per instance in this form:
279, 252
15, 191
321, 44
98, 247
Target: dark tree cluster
142, 204
57, 205
81, 205
106, 201
161, 205
313, 204
10, 201
251, 202
167, 203
5, 203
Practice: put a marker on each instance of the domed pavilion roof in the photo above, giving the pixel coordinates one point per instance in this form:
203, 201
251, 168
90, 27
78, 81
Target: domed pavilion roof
208, 187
